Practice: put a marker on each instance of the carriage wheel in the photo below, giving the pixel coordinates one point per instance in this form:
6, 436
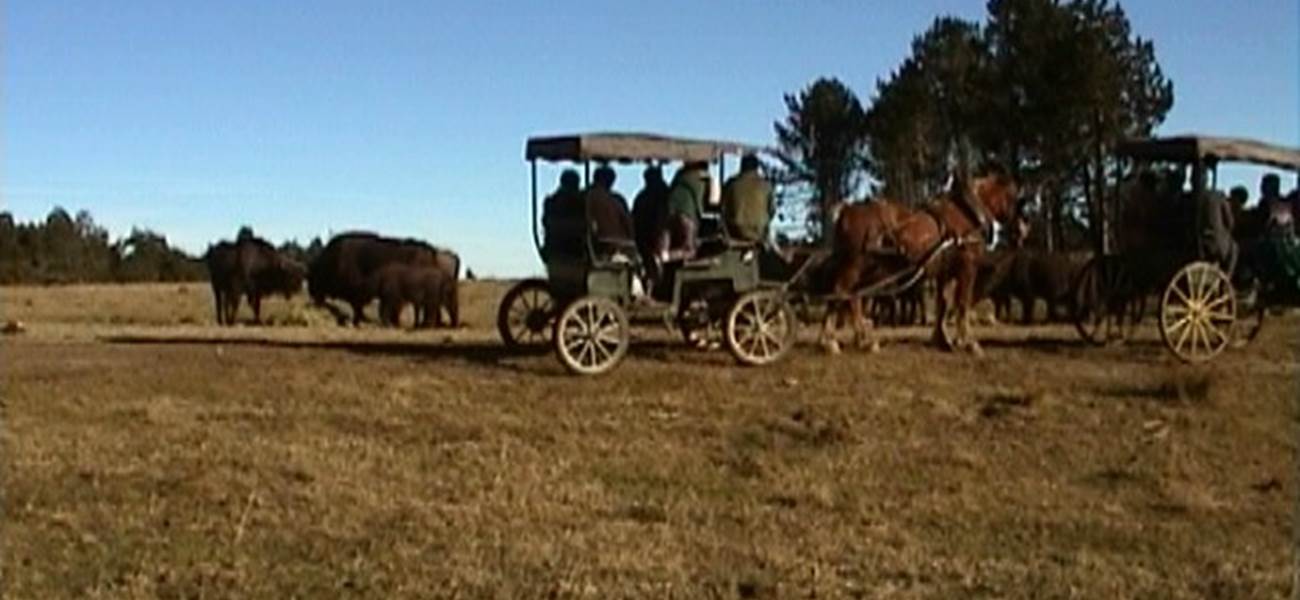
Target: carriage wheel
1197, 312
525, 315
760, 328
591, 335
1102, 312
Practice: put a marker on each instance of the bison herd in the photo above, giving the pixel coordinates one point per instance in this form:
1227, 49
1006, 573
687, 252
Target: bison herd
355, 268
1009, 276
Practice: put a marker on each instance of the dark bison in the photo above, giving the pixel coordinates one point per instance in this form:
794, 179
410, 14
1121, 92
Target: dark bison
249, 266
398, 284
1030, 275
346, 267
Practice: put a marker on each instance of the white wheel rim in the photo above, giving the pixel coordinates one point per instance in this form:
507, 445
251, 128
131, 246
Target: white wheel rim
760, 328
592, 336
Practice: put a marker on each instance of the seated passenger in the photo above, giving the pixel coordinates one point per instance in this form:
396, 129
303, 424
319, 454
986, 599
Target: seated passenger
747, 203
563, 218
679, 239
610, 220
649, 212
1216, 231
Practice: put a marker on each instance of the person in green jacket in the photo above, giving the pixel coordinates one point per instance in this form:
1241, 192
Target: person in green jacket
747, 203
685, 203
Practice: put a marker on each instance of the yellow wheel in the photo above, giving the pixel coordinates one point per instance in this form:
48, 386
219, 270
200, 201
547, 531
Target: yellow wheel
1198, 312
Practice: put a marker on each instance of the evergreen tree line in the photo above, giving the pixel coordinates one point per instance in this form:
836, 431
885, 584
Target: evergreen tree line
68, 249
1047, 88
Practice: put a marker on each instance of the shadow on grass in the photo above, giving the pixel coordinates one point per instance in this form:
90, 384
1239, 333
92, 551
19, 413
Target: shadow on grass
485, 353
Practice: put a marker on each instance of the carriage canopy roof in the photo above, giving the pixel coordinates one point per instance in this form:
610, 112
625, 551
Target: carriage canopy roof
630, 147
1192, 148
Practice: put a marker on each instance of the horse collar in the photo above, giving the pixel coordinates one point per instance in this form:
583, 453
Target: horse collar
974, 209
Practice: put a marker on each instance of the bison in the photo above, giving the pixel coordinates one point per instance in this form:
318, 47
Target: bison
345, 270
1030, 275
249, 266
398, 284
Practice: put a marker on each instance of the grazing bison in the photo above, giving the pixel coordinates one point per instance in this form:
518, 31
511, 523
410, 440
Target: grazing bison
399, 284
346, 267
1030, 275
249, 266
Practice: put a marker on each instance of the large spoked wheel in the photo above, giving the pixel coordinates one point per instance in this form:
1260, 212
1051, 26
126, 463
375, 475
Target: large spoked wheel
1100, 312
1198, 312
760, 328
525, 316
591, 335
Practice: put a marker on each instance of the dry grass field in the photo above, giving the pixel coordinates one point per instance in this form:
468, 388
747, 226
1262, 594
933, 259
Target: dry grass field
147, 453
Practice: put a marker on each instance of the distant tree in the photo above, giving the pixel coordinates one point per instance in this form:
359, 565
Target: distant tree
1070, 82
820, 148
1049, 87
927, 120
146, 256
298, 252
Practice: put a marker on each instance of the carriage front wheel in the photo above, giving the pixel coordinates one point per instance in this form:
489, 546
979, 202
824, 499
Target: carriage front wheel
1197, 312
525, 316
591, 335
760, 328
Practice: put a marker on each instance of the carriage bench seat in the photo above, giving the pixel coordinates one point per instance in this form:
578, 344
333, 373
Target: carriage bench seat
708, 262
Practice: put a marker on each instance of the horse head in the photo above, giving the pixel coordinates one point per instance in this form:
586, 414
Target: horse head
999, 194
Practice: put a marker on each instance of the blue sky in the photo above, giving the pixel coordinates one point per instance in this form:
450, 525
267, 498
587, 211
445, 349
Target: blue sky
409, 118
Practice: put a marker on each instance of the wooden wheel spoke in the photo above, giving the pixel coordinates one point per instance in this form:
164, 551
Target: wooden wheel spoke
1218, 333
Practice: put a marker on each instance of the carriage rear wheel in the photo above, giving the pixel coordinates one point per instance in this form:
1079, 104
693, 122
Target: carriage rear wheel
524, 319
1103, 302
761, 328
1198, 312
591, 335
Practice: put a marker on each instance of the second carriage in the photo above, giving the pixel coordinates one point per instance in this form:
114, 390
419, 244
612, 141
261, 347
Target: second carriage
585, 306
1202, 307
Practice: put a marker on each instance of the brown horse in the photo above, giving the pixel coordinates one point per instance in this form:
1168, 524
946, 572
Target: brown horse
878, 238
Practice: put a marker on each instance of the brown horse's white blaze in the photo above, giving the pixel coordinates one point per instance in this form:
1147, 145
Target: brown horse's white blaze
878, 238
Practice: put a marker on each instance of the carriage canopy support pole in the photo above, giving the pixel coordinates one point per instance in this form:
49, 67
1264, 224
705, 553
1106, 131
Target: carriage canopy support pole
537, 239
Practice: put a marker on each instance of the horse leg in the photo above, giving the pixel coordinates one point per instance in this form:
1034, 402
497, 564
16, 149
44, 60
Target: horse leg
834, 312
965, 296
862, 325
940, 314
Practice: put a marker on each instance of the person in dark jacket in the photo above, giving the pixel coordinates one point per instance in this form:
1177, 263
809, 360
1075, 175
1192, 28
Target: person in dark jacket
563, 217
607, 212
649, 212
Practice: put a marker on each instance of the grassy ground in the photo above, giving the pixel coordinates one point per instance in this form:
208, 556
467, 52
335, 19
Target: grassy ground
147, 453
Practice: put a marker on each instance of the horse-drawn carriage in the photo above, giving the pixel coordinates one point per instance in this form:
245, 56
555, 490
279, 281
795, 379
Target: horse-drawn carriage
1202, 307
587, 302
